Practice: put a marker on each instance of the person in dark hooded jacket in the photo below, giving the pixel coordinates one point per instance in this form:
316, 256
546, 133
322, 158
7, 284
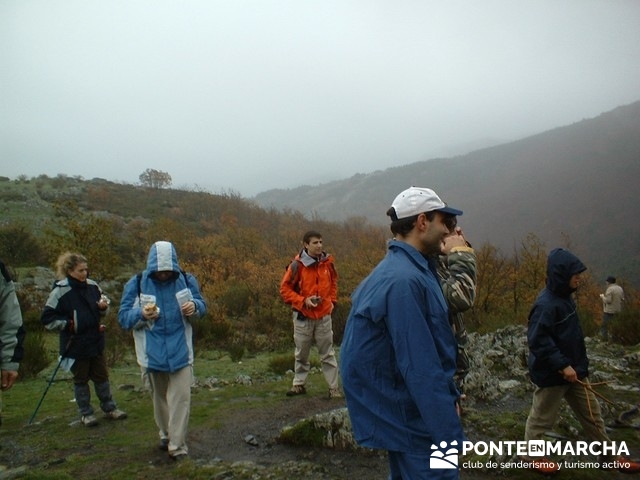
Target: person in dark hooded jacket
555, 337
558, 362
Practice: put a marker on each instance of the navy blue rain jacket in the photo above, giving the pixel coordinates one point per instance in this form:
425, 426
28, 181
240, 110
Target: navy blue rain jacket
71, 299
554, 333
398, 357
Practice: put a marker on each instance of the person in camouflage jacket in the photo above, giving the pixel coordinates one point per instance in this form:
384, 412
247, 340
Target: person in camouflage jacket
457, 276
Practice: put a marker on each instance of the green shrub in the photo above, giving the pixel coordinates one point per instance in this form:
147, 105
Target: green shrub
212, 331
118, 342
490, 323
236, 299
36, 357
280, 364
590, 325
236, 351
624, 328
303, 433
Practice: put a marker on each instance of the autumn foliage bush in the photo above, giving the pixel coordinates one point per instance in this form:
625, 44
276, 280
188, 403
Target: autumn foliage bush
238, 253
625, 327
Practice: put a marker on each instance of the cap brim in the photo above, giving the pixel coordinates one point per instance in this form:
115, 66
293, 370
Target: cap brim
450, 210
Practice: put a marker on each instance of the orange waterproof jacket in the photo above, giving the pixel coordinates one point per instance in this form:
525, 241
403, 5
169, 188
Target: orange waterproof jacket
307, 276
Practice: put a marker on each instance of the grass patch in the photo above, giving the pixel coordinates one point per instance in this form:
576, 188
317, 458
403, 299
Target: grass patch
303, 433
56, 447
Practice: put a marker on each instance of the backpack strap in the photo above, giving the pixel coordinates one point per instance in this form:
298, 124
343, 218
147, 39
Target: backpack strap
138, 278
294, 276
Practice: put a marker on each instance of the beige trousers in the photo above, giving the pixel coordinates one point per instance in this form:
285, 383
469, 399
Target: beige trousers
171, 394
305, 333
546, 406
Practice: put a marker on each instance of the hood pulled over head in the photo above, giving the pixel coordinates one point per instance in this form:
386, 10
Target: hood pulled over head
162, 258
561, 266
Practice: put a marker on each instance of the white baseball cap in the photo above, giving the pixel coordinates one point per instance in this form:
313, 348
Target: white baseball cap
417, 200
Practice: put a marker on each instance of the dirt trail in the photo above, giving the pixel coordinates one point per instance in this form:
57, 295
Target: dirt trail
228, 443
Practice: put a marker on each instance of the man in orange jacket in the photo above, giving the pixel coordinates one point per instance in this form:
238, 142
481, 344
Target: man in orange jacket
310, 286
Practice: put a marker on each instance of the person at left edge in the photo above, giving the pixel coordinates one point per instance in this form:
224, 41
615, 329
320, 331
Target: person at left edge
158, 305
12, 332
75, 308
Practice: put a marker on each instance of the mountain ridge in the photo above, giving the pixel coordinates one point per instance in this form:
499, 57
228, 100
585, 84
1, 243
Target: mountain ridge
574, 184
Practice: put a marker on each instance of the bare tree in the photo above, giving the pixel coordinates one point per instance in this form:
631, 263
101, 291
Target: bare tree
155, 178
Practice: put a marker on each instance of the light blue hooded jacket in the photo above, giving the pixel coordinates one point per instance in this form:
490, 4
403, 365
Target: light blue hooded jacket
164, 345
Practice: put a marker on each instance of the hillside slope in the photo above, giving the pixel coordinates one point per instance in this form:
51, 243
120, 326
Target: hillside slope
577, 182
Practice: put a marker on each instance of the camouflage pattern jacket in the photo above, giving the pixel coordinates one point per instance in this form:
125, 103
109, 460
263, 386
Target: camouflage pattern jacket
457, 275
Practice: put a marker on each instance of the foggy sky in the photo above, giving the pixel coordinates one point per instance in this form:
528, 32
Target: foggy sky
249, 95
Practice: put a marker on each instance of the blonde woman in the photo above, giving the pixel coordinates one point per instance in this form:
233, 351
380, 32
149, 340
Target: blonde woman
75, 308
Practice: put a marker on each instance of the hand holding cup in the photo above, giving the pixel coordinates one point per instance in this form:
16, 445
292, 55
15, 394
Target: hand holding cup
150, 311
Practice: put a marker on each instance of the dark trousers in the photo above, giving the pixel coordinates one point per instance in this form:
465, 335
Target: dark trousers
604, 328
94, 369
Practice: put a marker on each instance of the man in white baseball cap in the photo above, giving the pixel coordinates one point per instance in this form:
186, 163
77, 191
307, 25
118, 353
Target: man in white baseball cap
398, 352
416, 200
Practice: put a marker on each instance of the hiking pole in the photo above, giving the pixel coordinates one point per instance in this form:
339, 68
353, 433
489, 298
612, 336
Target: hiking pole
62, 357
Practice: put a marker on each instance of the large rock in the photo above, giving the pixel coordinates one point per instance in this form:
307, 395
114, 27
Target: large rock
498, 364
332, 429
498, 372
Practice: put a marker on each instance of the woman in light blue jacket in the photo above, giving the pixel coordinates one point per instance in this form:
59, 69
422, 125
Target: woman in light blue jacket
158, 306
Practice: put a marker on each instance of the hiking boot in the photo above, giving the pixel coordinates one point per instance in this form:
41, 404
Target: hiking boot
164, 444
89, 421
335, 393
296, 390
115, 415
